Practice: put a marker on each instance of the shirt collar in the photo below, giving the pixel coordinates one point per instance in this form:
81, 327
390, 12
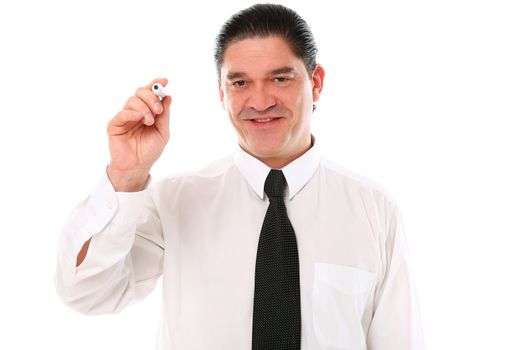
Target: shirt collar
297, 173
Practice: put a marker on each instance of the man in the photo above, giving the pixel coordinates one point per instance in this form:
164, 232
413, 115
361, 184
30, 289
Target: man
274, 248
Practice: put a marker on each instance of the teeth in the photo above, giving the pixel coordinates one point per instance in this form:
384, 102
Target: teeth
263, 120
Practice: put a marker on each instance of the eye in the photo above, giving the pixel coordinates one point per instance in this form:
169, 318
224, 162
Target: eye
239, 83
281, 79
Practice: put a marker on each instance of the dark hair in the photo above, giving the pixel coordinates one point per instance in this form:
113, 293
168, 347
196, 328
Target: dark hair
265, 20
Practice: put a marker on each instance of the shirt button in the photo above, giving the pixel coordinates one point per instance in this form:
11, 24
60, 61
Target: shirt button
109, 204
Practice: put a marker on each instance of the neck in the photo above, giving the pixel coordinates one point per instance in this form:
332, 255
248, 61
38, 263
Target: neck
279, 162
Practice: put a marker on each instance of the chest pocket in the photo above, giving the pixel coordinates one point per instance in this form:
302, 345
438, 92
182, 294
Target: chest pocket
340, 294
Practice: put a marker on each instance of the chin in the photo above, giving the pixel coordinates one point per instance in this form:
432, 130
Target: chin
266, 150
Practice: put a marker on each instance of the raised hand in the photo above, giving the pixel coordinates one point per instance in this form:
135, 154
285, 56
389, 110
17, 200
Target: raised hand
137, 136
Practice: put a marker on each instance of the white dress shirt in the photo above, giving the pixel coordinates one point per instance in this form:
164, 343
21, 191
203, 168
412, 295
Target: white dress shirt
200, 231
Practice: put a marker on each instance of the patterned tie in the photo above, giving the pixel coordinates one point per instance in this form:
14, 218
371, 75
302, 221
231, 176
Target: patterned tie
277, 303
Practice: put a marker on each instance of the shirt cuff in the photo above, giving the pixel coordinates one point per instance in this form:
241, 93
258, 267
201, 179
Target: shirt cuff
103, 206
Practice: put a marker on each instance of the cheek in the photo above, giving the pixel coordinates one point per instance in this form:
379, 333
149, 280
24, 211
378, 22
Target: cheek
300, 103
233, 109
233, 105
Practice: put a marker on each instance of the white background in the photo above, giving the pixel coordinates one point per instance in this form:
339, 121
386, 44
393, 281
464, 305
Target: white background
425, 97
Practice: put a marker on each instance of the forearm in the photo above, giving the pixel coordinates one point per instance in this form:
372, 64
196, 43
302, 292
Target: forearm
83, 252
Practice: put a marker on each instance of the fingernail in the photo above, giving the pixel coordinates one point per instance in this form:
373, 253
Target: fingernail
148, 118
157, 107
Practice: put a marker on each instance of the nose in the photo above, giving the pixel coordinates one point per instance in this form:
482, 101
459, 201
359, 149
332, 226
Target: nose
261, 98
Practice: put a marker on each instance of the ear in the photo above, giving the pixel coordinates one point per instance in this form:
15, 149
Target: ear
317, 82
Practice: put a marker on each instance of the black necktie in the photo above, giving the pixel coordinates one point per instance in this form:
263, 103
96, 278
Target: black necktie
277, 302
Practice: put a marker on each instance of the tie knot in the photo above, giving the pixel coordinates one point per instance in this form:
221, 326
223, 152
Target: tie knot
274, 184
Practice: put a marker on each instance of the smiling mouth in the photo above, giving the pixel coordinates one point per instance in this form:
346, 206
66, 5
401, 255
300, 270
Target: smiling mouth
264, 120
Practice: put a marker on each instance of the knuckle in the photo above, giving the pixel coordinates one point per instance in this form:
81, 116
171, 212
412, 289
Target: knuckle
139, 91
110, 123
130, 102
145, 97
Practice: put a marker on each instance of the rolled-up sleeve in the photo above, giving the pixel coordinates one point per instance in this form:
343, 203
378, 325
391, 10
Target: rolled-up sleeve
125, 254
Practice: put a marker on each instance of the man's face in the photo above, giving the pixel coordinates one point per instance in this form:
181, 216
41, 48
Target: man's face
269, 96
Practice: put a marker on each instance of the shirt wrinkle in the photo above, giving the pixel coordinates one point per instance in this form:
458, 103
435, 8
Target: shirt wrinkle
199, 231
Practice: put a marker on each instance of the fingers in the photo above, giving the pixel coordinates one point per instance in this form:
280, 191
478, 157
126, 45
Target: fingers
146, 102
138, 105
123, 118
162, 81
148, 96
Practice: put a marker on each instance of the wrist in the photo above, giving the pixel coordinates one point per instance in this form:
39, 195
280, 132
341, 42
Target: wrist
127, 180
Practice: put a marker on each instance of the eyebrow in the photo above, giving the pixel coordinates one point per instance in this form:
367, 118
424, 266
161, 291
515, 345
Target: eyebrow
235, 75
282, 70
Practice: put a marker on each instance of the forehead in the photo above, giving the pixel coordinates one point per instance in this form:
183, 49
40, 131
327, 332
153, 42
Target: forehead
255, 56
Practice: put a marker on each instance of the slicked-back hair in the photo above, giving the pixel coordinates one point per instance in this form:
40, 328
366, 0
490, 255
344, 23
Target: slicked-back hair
263, 21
